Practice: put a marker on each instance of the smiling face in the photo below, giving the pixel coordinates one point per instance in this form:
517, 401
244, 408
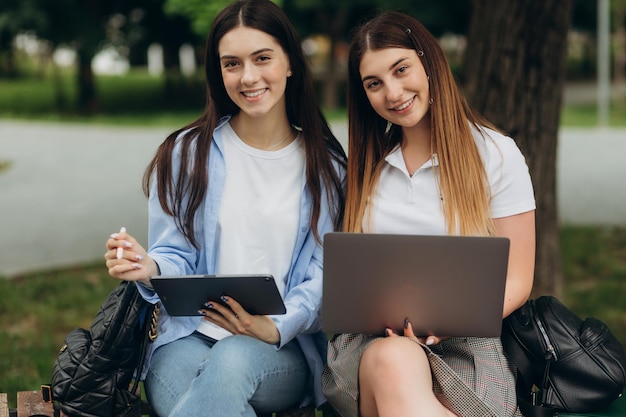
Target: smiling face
396, 85
255, 69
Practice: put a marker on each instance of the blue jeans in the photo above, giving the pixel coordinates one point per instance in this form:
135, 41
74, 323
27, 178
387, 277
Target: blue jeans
236, 376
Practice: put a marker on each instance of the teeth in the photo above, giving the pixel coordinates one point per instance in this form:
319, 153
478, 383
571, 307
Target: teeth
405, 105
255, 94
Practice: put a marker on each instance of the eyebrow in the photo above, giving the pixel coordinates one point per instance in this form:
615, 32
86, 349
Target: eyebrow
369, 77
257, 52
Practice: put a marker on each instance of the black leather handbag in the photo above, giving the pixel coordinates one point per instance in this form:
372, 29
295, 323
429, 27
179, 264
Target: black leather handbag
565, 364
94, 373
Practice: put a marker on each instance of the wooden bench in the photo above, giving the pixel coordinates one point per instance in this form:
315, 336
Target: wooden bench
31, 403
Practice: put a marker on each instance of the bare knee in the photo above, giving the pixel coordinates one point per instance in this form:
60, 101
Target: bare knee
394, 355
395, 379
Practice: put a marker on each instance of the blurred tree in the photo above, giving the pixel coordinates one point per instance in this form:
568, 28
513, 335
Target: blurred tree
619, 60
14, 15
148, 23
82, 25
201, 13
514, 71
585, 15
87, 26
334, 19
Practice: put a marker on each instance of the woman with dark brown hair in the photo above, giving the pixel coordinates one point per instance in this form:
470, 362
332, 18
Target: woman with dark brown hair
422, 162
250, 187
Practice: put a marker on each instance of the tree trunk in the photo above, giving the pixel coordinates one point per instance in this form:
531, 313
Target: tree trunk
514, 69
87, 98
619, 70
331, 82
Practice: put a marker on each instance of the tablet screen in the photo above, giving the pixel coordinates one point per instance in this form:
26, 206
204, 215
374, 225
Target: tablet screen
184, 295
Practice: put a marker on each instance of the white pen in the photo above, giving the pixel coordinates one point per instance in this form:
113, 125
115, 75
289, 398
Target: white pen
120, 249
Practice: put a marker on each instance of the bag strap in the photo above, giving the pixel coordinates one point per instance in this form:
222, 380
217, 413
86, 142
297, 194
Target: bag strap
529, 409
149, 334
529, 398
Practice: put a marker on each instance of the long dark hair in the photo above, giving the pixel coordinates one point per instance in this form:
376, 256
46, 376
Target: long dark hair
181, 197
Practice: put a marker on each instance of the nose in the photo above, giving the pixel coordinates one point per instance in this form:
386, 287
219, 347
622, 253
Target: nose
394, 90
250, 75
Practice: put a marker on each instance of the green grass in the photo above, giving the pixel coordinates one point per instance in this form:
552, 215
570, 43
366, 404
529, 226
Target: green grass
585, 115
594, 263
37, 310
135, 99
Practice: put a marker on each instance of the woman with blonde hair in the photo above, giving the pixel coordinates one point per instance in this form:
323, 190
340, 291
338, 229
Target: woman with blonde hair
421, 161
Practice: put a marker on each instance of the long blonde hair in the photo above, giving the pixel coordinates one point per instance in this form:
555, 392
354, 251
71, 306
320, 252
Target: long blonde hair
462, 179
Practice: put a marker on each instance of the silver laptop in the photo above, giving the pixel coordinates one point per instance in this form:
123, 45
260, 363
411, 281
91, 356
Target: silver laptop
444, 285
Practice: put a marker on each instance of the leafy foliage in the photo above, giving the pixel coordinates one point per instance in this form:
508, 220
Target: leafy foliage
201, 13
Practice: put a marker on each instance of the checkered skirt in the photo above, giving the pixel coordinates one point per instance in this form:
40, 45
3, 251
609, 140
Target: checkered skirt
471, 376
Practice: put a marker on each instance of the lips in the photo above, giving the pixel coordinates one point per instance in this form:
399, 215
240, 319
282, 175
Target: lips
404, 105
254, 94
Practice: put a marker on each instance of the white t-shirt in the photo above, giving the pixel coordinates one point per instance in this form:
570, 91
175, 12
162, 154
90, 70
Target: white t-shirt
412, 205
259, 212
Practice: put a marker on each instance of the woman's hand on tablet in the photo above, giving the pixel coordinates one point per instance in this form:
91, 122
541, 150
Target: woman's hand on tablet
236, 320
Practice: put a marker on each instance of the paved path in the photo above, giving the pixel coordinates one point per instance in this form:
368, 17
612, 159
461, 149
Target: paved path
69, 186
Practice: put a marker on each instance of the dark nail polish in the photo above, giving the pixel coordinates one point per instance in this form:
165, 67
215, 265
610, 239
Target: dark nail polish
224, 298
208, 305
202, 313
406, 323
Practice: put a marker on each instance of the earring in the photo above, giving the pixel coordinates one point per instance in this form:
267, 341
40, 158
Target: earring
430, 100
388, 127
289, 73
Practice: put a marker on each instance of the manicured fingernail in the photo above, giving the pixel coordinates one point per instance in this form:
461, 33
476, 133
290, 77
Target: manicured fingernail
224, 298
430, 341
406, 323
127, 244
136, 265
122, 229
119, 252
114, 235
208, 305
202, 313
139, 257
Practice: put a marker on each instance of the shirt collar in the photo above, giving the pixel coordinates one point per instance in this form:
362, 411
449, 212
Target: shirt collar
396, 160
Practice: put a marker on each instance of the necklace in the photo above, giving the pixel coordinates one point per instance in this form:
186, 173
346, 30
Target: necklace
276, 145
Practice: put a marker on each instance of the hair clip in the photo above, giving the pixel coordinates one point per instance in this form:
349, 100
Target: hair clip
408, 31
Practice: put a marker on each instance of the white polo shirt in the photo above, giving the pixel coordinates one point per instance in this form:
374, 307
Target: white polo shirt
409, 204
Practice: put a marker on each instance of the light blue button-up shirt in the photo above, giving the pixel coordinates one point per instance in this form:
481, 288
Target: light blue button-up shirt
303, 293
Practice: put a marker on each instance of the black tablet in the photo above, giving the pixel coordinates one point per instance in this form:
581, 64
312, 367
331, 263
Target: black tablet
184, 295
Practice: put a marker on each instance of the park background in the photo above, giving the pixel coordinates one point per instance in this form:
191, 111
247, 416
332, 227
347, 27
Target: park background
88, 89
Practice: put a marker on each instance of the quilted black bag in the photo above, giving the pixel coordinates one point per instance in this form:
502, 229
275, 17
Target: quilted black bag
565, 364
93, 375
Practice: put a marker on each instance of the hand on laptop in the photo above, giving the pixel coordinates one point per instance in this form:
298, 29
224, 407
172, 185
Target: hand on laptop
408, 332
231, 316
